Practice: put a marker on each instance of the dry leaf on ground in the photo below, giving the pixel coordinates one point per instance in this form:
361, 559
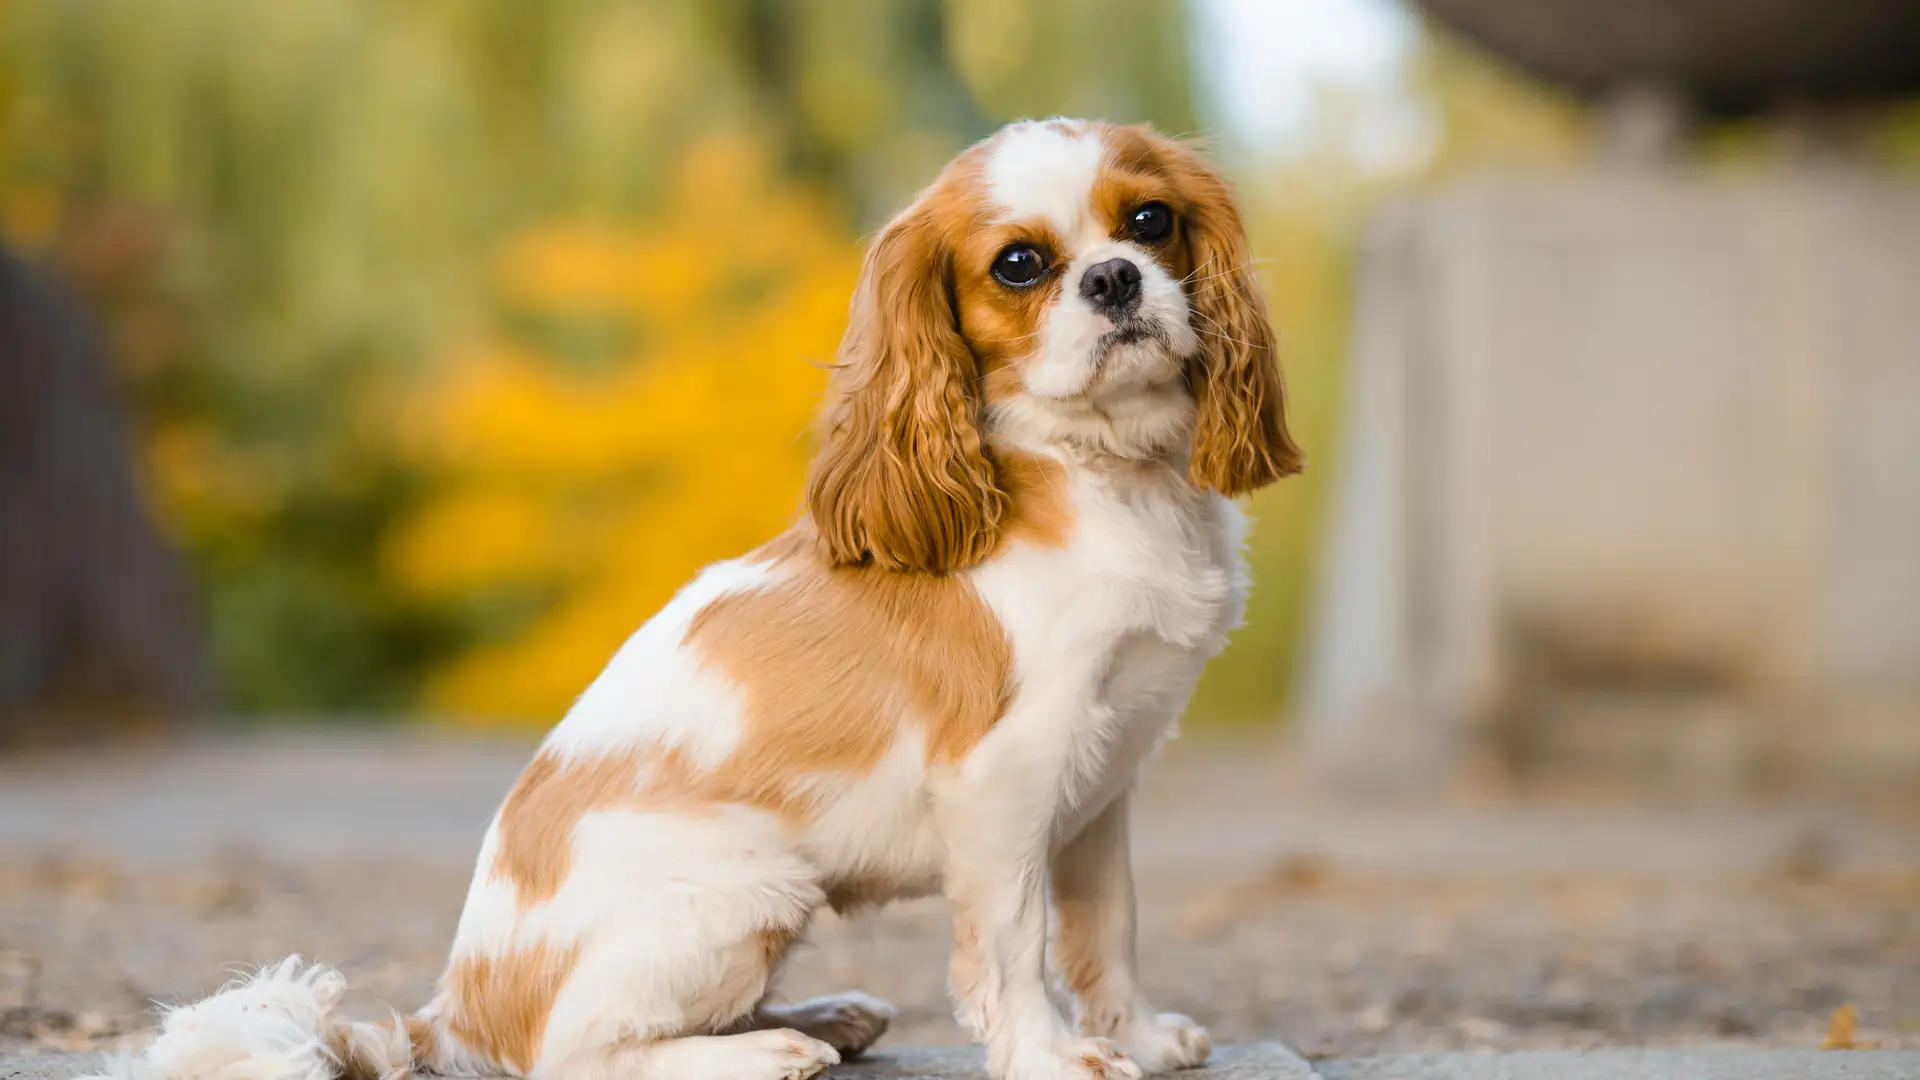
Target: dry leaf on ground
1840, 1028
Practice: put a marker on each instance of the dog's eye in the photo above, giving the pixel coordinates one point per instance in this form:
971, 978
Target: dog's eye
1019, 266
1151, 223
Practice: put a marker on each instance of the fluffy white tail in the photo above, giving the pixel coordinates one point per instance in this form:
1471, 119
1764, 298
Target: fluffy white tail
277, 1024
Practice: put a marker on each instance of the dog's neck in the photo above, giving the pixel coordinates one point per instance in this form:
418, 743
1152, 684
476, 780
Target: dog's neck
1152, 425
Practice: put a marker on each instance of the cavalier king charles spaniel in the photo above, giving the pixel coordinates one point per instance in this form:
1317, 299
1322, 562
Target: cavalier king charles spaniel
1018, 550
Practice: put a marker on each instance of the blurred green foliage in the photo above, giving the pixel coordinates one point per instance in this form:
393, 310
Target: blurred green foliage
292, 211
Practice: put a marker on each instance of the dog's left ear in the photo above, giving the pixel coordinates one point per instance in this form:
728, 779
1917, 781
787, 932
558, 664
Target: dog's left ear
1240, 439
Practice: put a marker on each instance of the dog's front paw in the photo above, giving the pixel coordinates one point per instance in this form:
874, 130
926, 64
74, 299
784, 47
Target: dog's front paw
1076, 1059
1166, 1042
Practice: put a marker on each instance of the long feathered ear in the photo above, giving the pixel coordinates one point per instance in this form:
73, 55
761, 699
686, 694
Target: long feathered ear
903, 480
1240, 439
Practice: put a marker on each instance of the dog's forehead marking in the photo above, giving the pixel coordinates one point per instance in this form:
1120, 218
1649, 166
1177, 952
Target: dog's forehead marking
1045, 169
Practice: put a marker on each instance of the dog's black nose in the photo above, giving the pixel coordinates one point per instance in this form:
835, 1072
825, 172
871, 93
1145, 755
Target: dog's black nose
1112, 287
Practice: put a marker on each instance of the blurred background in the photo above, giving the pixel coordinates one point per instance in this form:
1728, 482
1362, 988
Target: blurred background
369, 370
438, 343
396, 360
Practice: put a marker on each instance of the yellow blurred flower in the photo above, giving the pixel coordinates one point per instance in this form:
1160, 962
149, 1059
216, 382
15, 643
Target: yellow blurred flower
467, 540
614, 484
567, 267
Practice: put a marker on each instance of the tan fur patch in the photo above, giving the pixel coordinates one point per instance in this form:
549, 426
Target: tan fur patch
1042, 510
1001, 325
830, 663
536, 823
498, 1005
420, 1037
831, 660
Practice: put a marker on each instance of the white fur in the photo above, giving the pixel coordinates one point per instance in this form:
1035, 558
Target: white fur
691, 711
277, 1024
664, 908
1043, 169
880, 826
1109, 637
1068, 364
651, 693
768, 1054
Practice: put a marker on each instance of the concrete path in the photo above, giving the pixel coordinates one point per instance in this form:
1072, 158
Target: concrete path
1632, 1065
413, 793
1397, 935
1272, 1061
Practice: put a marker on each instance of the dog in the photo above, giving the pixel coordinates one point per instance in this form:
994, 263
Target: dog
1018, 550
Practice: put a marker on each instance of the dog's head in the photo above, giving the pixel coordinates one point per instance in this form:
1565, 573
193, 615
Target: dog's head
1064, 281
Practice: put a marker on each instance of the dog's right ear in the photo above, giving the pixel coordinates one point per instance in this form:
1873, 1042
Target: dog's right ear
903, 480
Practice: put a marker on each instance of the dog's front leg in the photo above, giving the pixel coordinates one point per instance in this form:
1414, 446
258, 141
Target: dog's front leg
997, 816
1094, 949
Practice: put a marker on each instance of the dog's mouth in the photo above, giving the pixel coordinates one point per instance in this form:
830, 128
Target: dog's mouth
1130, 332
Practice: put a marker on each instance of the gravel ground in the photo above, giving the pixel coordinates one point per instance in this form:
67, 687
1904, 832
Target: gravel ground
1269, 911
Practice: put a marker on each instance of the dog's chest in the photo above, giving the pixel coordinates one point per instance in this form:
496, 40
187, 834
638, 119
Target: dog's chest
1143, 591
1163, 557
1164, 564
